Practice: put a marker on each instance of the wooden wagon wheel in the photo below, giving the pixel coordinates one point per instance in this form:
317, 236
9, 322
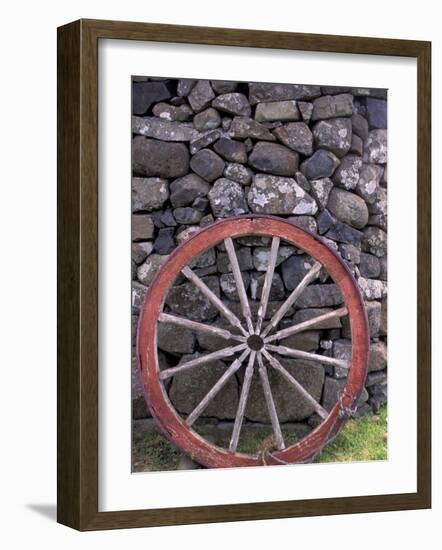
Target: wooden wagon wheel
255, 346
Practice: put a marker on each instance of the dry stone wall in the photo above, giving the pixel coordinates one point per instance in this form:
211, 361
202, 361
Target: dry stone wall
317, 156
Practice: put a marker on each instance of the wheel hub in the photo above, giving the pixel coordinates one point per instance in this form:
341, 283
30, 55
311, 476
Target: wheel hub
255, 342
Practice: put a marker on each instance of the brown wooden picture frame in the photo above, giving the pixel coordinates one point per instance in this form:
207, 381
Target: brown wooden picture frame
78, 274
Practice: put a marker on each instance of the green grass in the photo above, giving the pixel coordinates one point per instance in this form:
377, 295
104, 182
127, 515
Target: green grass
362, 439
152, 453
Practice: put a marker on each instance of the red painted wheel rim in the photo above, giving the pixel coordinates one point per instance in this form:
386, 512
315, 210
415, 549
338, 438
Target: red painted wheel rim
162, 410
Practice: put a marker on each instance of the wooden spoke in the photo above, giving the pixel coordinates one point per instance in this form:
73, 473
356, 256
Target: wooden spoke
242, 403
298, 354
220, 354
200, 327
216, 388
204, 289
277, 366
309, 277
270, 403
267, 283
239, 283
341, 312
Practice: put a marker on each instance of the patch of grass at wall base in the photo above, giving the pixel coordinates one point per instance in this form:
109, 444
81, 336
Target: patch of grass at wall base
362, 439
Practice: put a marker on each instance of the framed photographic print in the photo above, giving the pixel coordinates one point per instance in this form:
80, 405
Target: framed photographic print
244, 275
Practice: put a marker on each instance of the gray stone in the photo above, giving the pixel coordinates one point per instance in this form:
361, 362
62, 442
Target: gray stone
347, 173
186, 233
383, 326
149, 193
333, 135
348, 207
180, 113
231, 150
310, 313
207, 120
261, 256
165, 242
139, 405
297, 136
272, 308
254, 240
233, 103
186, 300
244, 256
142, 227
302, 181
376, 378
369, 178
204, 260
210, 342
201, 96
335, 90
204, 139
140, 251
357, 145
350, 252
228, 285
383, 274
239, 173
245, 127
369, 266
185, 190
276, 110
304, 222
378, 356
373, 310
185, 86
343, 233
226, 123
274, 159
375, 147
263, 92
378, 397
224, 86
165, 130
308, 340
372, 289
167, 218
376, 110
144, 94
306, 110
328, 106
321, 164
187, 215
227, 198
325, 221
191, 386
359, 126
279, 195
158, 158
320, 296
332, 391
147, 270
374, 241
294, 269
175, 339
207, 164
201, 204
320, 190
290, 404
138, 294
